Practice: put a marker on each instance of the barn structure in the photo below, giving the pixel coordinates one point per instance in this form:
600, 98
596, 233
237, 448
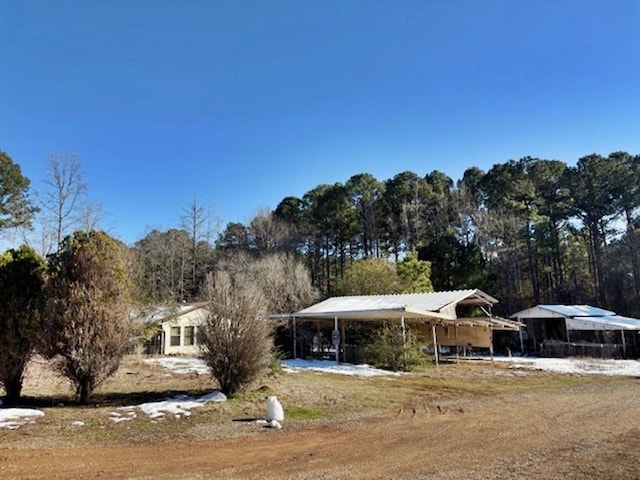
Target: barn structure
459, 319
578, 330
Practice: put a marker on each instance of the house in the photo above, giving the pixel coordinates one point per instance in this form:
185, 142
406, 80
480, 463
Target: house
578, 330
173, 329
459, 319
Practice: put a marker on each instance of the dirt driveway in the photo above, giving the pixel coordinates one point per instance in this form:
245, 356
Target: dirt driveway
584, 431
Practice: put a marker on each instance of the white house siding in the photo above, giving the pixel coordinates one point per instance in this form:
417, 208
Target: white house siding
180, 332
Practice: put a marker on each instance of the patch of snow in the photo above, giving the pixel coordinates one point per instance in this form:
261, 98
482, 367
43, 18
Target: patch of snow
117, 417
178, 406
334, 367
577, 366
13, 418
78, 423
180, 365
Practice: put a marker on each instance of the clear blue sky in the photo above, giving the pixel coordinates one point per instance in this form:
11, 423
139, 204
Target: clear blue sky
241, 103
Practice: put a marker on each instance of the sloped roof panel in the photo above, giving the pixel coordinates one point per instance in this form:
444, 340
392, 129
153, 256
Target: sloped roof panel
607, 322
577, 310
419, 305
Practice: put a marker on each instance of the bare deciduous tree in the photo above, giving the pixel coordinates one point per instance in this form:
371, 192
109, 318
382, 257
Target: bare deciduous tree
64, 201
283, 278
236, 337
269, 233
201, 225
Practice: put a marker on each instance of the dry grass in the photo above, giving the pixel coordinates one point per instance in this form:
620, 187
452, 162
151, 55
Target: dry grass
535, 424
309, 398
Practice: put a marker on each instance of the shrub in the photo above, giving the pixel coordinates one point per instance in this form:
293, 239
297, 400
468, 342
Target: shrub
387, 349
236, 337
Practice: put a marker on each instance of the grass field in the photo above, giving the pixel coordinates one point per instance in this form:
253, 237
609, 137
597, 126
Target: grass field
520, 417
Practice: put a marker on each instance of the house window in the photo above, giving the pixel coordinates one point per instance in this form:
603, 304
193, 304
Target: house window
175, 336
189, 336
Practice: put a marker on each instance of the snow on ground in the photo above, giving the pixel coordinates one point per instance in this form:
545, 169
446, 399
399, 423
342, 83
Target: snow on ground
180, 364
578, 366
178, 406
293, 366
13, 418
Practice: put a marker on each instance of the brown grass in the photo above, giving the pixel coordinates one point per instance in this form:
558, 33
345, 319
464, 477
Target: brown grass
520, 417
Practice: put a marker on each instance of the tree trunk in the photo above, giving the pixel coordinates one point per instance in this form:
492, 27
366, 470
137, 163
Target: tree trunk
84, 390
13, 389
532, 268
597, 263
631, 234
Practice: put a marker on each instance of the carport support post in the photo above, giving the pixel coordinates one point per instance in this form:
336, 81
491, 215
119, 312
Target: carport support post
455, 331
343, 340
295, 339
336, 344
435, 344
624, 344
404, 342
521, 333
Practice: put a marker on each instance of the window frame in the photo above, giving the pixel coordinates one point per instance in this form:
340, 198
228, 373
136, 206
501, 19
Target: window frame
175, 340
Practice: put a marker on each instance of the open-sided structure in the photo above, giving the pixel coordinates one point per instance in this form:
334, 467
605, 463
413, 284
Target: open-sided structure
566, 330
446, 314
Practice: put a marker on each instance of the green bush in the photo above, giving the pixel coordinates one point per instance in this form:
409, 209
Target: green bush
386, 349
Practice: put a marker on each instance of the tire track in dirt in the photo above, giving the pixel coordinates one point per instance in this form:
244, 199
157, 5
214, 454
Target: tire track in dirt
583, 432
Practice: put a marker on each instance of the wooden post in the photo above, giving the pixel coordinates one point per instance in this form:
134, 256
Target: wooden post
435, 344
455, 331
490, 334
624, 344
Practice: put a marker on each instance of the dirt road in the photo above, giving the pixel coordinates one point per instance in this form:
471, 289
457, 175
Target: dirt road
589, 431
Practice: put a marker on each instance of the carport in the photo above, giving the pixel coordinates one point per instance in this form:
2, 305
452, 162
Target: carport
578, 330
437, 311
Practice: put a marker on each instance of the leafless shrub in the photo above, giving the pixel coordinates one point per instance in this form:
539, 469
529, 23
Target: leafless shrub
236, 337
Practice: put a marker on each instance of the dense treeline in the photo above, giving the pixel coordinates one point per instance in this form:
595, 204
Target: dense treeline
527, 231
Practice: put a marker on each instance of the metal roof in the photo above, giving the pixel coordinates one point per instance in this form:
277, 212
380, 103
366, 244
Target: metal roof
607, 322
561, 311
435, 305
577, 310
581, 317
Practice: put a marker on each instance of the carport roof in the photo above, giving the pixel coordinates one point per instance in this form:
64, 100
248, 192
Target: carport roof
435, 305
581, 317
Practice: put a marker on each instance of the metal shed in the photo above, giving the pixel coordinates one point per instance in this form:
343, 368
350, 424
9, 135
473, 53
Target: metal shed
578, 330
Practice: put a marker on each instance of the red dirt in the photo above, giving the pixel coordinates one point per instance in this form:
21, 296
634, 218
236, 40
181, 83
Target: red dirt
588, 431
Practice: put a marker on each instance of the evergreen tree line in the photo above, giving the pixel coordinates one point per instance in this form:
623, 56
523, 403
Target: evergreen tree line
527, 231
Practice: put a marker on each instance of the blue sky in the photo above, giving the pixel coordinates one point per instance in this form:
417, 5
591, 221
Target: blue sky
238, 104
